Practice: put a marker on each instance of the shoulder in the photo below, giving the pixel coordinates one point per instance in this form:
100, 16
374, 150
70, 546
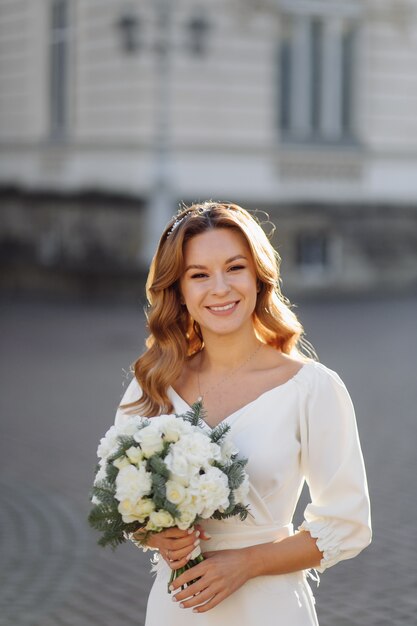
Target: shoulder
132, 393
324, 394
319, 383
314, 374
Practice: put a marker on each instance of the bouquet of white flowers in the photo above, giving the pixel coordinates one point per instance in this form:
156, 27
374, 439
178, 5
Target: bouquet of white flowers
165, 471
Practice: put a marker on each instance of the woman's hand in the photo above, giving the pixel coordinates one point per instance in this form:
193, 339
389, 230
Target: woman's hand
219, 575
175, 545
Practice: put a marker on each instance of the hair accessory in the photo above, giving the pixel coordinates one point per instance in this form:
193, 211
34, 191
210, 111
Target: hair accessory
199, 210
175, 225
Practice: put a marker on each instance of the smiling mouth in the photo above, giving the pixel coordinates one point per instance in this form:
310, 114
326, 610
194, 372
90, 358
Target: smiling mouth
224, 307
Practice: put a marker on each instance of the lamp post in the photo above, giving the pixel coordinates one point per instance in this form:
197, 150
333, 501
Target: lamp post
161, 200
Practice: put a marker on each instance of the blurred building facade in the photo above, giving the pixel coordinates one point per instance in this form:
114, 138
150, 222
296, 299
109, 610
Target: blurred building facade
114, 111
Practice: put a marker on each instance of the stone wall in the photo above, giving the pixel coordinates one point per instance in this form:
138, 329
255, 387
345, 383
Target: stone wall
94, 241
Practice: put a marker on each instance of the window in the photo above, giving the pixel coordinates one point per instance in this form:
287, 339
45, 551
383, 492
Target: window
316, 77
312, 252
59, 68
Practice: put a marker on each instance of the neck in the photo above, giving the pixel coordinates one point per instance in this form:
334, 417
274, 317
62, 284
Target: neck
225, 353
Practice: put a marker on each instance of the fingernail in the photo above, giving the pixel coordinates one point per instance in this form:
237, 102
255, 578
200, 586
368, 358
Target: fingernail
197, 542
181, 605
171, 588
174, 599
191, 530
207, 535
197, 533
188, 557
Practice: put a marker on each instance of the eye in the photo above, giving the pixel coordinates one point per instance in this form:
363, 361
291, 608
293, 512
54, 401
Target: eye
236, 268
199, 275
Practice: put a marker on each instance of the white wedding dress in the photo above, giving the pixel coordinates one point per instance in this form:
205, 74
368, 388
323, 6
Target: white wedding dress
304, 429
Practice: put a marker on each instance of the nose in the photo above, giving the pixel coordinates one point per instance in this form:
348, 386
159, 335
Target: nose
220, 284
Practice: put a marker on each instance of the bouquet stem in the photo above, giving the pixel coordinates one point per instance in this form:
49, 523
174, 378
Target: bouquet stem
175, 573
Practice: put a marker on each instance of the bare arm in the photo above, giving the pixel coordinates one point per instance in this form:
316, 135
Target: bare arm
225, 571
291, 554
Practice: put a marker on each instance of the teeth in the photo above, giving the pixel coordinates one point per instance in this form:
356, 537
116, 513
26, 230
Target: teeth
226, 307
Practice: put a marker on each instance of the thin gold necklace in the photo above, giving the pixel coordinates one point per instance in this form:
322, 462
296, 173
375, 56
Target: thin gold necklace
225, 378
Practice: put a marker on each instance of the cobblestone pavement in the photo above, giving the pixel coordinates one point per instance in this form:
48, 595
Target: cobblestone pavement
61, 371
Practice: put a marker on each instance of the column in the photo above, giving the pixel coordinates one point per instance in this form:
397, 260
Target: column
301, 78
332, 76
161, 204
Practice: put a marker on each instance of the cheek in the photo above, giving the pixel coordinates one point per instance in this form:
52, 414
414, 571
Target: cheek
190, 296
250, 287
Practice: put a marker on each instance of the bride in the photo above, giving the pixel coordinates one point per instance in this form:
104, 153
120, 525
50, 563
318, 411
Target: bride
221, 331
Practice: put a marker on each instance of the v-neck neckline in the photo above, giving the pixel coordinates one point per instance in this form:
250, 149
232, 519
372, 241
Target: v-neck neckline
248, 404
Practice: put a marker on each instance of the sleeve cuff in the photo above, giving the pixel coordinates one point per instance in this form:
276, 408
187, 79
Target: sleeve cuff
328, 541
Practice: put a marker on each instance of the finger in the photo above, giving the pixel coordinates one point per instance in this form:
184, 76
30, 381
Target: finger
196, 583
180, 563
196, 600
181, 543
178, 558
176, 532
176, 554
214, 601
190, 591
203, 534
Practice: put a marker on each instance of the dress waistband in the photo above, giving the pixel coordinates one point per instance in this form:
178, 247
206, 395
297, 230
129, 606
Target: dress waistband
231, 535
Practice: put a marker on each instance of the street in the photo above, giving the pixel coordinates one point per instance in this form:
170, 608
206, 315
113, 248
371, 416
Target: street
63, 368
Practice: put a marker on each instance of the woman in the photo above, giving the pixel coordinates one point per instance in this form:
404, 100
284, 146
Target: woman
221, 331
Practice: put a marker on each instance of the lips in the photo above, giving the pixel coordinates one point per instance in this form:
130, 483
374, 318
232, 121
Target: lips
223, 308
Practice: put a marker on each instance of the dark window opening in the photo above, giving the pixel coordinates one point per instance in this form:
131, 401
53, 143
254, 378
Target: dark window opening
312, 251
59, 67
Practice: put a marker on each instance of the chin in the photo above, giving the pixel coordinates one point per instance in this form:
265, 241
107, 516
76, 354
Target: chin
224, 330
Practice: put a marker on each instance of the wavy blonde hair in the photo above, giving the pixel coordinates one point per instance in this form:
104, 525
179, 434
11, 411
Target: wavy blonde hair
175, 337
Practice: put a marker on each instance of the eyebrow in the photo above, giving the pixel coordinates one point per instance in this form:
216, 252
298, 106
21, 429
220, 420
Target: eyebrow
229, 260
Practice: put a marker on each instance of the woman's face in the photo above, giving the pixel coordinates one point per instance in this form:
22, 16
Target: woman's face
219, 283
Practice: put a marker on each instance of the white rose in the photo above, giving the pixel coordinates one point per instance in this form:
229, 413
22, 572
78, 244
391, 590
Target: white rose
171, 427
212, 492
126, 507
175, 492
150, 441
186, 516
134, 454
127, 511
178, 465
160, 519
198, 449
144, 508
121, 462
108, 444
241, 493
129, 426
132, 483
227, 450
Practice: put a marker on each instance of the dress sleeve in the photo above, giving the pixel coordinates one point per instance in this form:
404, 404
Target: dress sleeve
338, 515
132, 393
